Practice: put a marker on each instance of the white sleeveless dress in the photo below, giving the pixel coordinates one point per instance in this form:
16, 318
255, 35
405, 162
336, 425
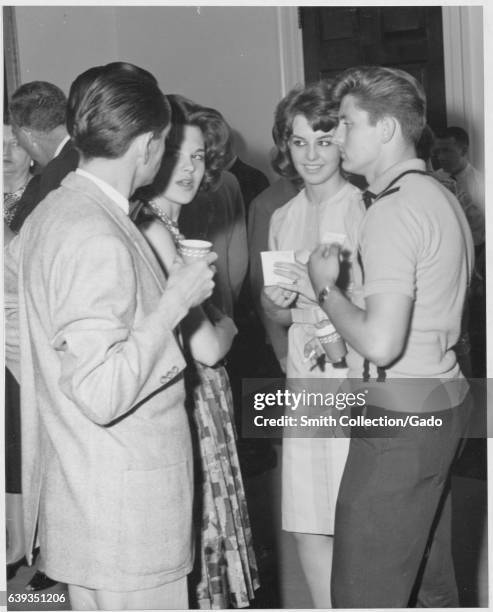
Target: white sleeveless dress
312, 467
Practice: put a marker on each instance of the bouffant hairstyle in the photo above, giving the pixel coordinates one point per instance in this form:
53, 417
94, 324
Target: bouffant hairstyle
110, 106
425, 143
38, 105
315, 103
386, 92
217, 144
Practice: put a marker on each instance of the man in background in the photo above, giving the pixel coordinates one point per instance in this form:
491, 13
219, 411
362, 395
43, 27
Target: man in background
38, 115
450, 151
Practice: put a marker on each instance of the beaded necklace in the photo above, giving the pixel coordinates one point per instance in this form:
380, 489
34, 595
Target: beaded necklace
169, 224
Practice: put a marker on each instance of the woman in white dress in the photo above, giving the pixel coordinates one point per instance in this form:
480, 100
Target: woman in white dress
312, 467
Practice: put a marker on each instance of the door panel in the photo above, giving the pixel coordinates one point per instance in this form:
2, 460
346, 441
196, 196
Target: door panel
408, 37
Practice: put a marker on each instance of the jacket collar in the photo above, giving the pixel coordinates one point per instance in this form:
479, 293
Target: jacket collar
80, 183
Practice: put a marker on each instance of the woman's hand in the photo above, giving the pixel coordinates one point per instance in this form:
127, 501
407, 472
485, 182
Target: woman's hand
280, 297
276, 302
298, 273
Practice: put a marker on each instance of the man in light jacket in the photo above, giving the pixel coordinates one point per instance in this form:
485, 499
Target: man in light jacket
107, 463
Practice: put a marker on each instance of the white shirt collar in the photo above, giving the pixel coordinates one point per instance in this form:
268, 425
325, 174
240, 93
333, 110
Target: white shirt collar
61, 145
120, 200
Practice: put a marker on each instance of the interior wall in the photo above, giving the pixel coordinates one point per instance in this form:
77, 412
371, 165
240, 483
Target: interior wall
225, 57
238, 59
56, 43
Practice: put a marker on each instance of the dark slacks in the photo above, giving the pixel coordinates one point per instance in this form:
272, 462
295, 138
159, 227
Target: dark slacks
393, 518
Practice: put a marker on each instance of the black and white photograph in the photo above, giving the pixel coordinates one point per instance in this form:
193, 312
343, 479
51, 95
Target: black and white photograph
245, 258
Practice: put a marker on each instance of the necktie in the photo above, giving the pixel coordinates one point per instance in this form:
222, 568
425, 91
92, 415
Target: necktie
368, 198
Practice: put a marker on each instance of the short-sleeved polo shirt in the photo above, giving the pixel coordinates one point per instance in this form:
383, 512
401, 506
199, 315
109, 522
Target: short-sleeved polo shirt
416, 242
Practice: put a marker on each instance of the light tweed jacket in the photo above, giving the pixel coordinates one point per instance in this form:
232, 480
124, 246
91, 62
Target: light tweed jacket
107, 469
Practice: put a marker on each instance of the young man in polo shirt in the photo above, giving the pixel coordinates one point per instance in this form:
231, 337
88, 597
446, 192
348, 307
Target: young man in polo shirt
392, 531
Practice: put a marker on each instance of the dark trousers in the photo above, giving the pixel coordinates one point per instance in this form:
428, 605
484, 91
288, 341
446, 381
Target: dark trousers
393, 518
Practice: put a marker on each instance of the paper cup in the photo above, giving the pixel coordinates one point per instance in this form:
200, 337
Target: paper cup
193, 250
332, 343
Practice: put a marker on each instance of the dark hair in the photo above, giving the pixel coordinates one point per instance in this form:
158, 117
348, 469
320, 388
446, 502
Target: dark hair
384, 92
82, 82
77, 91
38, 105
457, 133
111, 106
315, 103
425, 143
217, 144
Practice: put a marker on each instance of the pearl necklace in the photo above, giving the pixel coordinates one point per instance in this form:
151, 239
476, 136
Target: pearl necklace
170, 225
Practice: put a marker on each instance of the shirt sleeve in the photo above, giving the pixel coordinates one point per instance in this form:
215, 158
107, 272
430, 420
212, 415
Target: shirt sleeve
389, 244
273, 240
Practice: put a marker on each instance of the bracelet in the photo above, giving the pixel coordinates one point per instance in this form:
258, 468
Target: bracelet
324, 294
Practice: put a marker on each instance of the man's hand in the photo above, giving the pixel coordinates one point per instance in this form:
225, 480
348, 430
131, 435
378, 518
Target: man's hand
298, 273
193, 280
324, 266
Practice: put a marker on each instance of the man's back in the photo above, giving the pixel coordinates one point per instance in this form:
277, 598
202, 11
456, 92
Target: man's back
90, 291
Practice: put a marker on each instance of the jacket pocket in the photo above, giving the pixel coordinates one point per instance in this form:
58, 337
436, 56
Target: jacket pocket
156, 520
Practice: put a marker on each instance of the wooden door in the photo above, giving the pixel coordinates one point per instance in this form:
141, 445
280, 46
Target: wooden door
407, 37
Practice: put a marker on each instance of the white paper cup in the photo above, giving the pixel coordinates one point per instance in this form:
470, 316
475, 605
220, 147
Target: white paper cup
193, 250
332, 343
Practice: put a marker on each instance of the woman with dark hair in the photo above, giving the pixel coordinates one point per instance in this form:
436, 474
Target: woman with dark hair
226, 572
327, 205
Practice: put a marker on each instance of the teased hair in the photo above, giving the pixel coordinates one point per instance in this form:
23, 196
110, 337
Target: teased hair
315, 103
217, 143
425, 143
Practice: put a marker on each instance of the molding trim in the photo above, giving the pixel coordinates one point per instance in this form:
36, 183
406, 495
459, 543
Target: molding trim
290, 48
453, 64
11, 49
464, 73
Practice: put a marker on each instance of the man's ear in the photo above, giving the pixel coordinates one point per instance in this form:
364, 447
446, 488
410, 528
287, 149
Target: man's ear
149, 142
142, 145
388, 128
463, 149
31, 137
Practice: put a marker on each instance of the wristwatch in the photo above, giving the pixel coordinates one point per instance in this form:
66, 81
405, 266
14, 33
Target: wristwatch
324, 294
